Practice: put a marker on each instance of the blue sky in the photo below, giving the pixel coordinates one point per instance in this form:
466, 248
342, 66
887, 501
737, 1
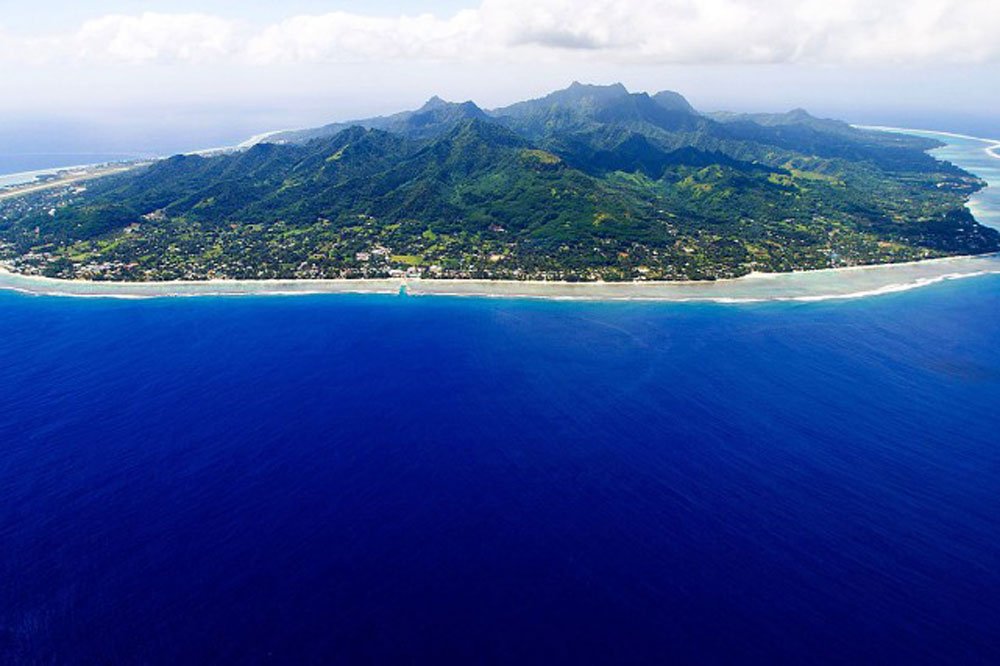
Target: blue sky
67, 13
298, 62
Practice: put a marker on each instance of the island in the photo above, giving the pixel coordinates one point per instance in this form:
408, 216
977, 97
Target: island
590, 183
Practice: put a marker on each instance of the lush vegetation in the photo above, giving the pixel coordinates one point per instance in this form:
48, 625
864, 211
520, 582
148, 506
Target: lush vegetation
587, 183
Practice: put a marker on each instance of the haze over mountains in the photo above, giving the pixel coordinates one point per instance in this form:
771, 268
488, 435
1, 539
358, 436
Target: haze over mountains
567, 108
622, 123
589, 182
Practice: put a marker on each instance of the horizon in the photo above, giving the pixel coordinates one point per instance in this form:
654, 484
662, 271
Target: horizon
149, 76
27, 142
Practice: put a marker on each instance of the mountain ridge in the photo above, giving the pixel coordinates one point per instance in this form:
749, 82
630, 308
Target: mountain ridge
439, 112
589, 182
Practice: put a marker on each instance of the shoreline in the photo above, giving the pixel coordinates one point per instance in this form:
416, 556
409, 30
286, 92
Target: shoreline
992, 149
912, 130
809, 285
16, 179
9, 181
25, 182
77, 175
844, 283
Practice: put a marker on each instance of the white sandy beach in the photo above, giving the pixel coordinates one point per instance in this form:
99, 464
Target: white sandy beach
836, 283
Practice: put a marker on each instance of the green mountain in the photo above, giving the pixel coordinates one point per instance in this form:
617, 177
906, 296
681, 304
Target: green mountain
590, 182
433, 118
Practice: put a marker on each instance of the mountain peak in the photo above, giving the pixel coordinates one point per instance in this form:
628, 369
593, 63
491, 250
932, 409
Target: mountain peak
673, 101
578, 89
434, 102
576, 93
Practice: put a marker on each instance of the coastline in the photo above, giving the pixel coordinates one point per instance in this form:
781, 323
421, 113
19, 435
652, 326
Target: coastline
914, 130
803, 286
992, 149
69, 177
26, 182
844, 283
994, 144
813, 285
22, 178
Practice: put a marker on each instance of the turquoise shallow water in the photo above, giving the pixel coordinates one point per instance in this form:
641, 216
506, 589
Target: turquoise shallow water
383, 479
981, 158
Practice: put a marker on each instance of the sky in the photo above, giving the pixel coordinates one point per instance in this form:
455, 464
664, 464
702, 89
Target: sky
149, 72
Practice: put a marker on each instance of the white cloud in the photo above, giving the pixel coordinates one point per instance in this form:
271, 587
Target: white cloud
755, 31
156, 37
647, 31
145, 38
341, 36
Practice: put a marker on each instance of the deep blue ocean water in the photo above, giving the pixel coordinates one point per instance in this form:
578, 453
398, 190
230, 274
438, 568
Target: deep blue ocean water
369, 479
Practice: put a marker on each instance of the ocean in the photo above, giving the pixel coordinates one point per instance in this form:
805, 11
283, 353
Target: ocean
399, 479
384, 479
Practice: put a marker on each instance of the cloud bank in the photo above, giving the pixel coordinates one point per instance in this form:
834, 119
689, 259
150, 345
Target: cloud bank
637, 31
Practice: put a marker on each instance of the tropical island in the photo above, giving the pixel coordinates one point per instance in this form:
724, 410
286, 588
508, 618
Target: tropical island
588, 183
